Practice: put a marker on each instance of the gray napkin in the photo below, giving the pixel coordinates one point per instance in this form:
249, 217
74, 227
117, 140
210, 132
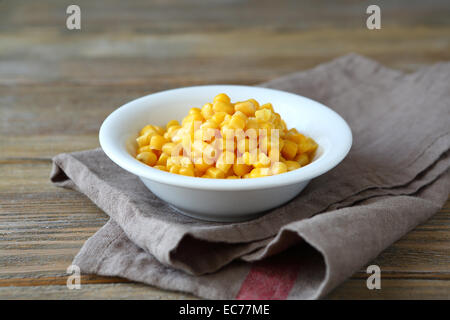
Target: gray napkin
394, 178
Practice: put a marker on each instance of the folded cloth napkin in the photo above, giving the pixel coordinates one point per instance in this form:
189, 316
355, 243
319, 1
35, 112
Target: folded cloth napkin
395, 177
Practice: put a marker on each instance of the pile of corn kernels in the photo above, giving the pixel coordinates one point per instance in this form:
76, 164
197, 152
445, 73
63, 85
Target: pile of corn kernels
225, 140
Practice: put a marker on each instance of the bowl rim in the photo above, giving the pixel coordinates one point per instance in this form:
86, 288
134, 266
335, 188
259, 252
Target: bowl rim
316, 168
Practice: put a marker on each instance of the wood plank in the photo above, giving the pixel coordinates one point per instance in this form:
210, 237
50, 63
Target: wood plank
393, 289
172, 16
241, 56
91, 291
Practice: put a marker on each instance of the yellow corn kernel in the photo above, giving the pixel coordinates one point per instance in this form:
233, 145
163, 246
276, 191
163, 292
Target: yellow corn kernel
189, 119
207, 111
302, 159
159, 167
201, 167
295, 137
144, 149
185, 162
255, 103
159, 130
148, 129
220, 106
289, 149
278, 167
225, 161
243, 145
259, 172
157, 142
263, 161
143, 140
162, 160
186, 172
236, 123
267, 106
194, 111
172, 130
232, 177
274, 156
215, 173
292, 165
218, 117
222, 97
307, 146
147, 158
241, 169
168, 147
175, 169
249, 158
252, 123
247, 108
172, 123
263, 114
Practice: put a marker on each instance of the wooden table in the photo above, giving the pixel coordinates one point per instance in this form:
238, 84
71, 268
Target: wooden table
56, 87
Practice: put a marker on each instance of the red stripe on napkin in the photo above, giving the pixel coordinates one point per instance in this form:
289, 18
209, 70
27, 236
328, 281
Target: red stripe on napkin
270, 279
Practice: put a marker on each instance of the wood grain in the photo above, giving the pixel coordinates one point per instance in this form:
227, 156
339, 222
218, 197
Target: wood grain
57, 86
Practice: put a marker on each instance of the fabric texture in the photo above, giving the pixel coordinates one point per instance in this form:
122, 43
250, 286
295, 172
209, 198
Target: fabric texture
395, 177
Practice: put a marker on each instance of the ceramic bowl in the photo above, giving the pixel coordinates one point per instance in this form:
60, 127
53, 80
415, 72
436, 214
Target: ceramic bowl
222, 199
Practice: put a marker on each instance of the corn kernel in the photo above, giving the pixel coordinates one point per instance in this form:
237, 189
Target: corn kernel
147, 157
207, 111
241, 169
232, 177
194, 111
295, 137
175, 169
302, 159
172, 123
157, 142
148, 129
307, 146
278, 167
186, 172
225, 161
263, 114
247, 108
259, 172
160, 167
220, 106
144, 149
263, 161
292, 165
289, 149
162, 160
267, 106
218, 117
143, 140
222, 97
215, 173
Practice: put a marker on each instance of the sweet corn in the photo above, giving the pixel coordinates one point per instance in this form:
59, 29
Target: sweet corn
289, 149
278, 168
220, 106
247, 108
263, 114
157, 142
225, 140
259, 172
302, 159
147, 158
215, 173
292, 165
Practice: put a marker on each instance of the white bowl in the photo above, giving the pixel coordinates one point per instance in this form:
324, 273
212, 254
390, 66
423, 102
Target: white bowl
222, 199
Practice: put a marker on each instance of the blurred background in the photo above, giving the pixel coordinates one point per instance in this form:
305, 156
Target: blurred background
126, 49
58, 85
